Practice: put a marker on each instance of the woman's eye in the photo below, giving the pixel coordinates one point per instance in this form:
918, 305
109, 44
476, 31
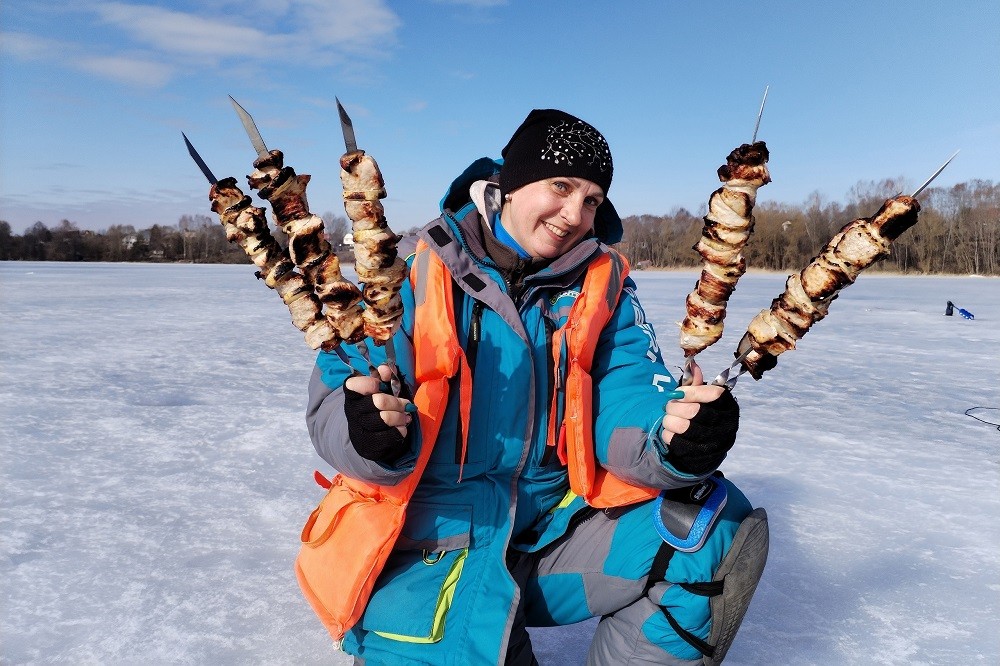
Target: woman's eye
591, 201
559, 185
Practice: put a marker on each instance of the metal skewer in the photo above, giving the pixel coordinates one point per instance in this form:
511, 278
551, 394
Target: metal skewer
351, 146
759, 114
212, 180
737, 366
934, 175
687, 371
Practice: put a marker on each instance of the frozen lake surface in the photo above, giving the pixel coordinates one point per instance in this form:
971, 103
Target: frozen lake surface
156, 471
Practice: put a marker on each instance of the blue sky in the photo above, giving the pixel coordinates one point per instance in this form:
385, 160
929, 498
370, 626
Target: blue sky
94, 95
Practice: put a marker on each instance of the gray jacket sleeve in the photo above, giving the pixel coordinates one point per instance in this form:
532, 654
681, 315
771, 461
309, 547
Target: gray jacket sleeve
328, 431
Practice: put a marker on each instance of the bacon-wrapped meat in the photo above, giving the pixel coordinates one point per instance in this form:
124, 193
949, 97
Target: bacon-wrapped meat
379, 268
308, 246
246, 225
808, 294
728, 226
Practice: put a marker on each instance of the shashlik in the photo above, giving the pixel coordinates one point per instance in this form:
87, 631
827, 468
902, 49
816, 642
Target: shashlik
728, 226
379, 268
808, 294
246, 225
308, 246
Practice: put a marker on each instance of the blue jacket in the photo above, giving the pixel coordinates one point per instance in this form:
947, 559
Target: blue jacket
513, 493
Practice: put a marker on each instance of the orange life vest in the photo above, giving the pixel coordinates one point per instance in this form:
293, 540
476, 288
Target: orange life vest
574, 436
348, 538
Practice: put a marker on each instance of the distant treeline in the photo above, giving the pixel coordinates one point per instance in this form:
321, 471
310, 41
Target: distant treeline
958, 232
196, 238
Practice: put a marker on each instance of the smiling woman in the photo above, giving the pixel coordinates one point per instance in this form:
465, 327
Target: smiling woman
536, 429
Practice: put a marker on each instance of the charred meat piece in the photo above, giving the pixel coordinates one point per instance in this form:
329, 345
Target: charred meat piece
246, 226
728, 226
808, 294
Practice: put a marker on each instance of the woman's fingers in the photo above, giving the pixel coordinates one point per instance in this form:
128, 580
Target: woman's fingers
684, 410
674, 425
362, 384
394, 411
680, 411
698, 394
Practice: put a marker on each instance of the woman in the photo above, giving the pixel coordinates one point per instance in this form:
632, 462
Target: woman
561, 384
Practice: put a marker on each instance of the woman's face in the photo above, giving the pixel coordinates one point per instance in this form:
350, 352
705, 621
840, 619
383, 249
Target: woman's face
550, 216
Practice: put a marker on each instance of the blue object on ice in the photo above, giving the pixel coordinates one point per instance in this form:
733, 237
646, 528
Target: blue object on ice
965, 313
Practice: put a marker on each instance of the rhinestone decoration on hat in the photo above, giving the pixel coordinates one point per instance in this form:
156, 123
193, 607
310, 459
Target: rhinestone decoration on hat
578, 140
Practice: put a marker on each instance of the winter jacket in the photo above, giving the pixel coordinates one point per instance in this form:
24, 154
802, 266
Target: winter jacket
447, 595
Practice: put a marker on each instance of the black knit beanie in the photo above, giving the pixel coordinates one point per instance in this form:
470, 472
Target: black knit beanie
551, 143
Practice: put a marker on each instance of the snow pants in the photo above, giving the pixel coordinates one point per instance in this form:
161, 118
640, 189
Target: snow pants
600, 568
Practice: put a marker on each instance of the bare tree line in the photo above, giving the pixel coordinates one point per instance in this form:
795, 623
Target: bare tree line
195, 239
958, 233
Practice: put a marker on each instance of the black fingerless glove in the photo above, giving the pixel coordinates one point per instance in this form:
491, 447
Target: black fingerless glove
372, 437
712, 433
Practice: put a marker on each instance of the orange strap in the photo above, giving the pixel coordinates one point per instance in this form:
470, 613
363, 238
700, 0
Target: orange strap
439, 356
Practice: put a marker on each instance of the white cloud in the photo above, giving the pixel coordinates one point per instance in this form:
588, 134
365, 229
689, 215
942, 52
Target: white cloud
177, 32
161, 40
127, 70
28, 47
313, 30
354, 25
133, 70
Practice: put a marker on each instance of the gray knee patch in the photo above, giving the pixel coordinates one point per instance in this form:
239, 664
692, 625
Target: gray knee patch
740, 570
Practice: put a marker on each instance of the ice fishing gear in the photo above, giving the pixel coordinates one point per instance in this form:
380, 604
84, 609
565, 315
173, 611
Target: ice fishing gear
996, 422
965, 314
683, 516
949, 311
736, 579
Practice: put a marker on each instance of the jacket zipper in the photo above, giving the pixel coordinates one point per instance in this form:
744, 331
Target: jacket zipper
550, 329
471, 350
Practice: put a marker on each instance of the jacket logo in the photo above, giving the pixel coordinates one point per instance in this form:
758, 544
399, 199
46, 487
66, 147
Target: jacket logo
569, 293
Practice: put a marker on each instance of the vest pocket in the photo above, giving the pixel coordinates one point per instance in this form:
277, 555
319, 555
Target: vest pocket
421, 575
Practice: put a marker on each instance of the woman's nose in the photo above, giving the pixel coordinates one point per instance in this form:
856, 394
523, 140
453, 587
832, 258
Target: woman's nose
572, 212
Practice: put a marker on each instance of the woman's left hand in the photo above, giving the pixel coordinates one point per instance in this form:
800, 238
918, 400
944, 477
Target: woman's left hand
700, 428
680, 411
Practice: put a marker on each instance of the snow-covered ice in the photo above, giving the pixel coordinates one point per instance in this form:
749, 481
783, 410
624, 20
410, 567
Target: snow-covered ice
156, 471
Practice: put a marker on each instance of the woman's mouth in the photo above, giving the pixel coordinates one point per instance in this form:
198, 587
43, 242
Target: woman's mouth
560, 233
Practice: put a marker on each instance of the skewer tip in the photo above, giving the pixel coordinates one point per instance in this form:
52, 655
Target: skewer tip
935, 174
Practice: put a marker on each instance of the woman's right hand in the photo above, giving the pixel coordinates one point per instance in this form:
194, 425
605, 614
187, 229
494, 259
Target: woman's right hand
377, 422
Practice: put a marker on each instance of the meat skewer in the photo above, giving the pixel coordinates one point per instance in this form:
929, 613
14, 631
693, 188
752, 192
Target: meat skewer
375, 259
308, 246
727, 229
246, 226
808, 294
